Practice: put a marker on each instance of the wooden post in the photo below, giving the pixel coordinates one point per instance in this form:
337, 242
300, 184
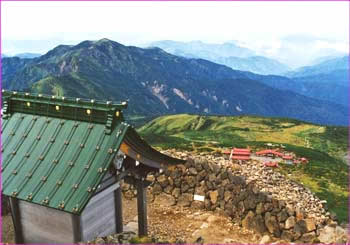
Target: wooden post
76, 228
118, 210
15, 212
141, 207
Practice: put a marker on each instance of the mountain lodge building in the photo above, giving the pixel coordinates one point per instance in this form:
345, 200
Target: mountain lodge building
63, 161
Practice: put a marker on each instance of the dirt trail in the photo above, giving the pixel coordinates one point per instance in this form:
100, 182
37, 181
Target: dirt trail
179, 224
172, 224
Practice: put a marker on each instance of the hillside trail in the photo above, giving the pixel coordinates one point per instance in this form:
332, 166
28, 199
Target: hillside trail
172, 224
186, 225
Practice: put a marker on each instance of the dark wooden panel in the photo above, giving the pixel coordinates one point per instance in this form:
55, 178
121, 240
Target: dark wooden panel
118, 205
76, 228
141, 208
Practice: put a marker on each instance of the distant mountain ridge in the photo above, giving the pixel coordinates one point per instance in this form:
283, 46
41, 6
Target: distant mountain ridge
328, 80
27, 55
229, 54
325, 67
157, 83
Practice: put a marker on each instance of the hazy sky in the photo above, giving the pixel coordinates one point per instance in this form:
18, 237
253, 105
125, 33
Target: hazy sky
276, 29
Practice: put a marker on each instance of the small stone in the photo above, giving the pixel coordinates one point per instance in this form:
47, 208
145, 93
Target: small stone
163, 180
260, 208
247, 222
157, 189
165, 200
290, 222
265, 239
308, 237
176, 192
192, 171
185, 200
213, 196
327, 235
197, 204
287, 235
272, 225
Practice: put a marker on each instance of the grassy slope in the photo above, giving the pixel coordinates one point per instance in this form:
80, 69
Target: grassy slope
326, 174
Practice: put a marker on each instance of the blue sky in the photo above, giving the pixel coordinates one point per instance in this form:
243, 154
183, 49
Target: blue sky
293, 32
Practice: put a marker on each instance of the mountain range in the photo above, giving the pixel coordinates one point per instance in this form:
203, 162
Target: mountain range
229, 54
157, 83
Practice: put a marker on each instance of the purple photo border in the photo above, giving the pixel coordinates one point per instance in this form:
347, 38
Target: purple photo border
170, 1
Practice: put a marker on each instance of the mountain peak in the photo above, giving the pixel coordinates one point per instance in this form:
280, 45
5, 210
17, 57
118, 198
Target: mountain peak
104, 40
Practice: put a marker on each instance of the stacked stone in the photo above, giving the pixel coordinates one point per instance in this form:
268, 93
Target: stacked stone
250, 194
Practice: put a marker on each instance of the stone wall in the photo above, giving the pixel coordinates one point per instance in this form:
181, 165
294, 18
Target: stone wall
226, 192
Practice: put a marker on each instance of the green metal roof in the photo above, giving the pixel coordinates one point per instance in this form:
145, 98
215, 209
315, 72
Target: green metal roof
56, 151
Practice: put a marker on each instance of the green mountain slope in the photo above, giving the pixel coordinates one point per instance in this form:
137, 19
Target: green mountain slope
158, 83
325, 147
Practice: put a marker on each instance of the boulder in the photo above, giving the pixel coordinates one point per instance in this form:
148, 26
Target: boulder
265, 239
223, 175
259, 224
306, 225
282, 216
216, 169
272, 225
213, 195
310, 224
176, 192
238, 180
192, 171
197, 204
200, 190
240, 209
212, 178
247, 222
227, 196
207, 204
327, 235
165, 200
250, 202
341, 235
150, 178
259, 208
290, 222
287, 235
191, 181
229, 208
308, 237
185, 200
163, 181
189, 163
198, 164
168, 189
299, 214
184, 187
178, 182
201, 175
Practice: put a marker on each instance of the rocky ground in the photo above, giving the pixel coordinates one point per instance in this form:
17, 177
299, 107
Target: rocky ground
173, 215
299, 211
167, 223
175, 224
272, 182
